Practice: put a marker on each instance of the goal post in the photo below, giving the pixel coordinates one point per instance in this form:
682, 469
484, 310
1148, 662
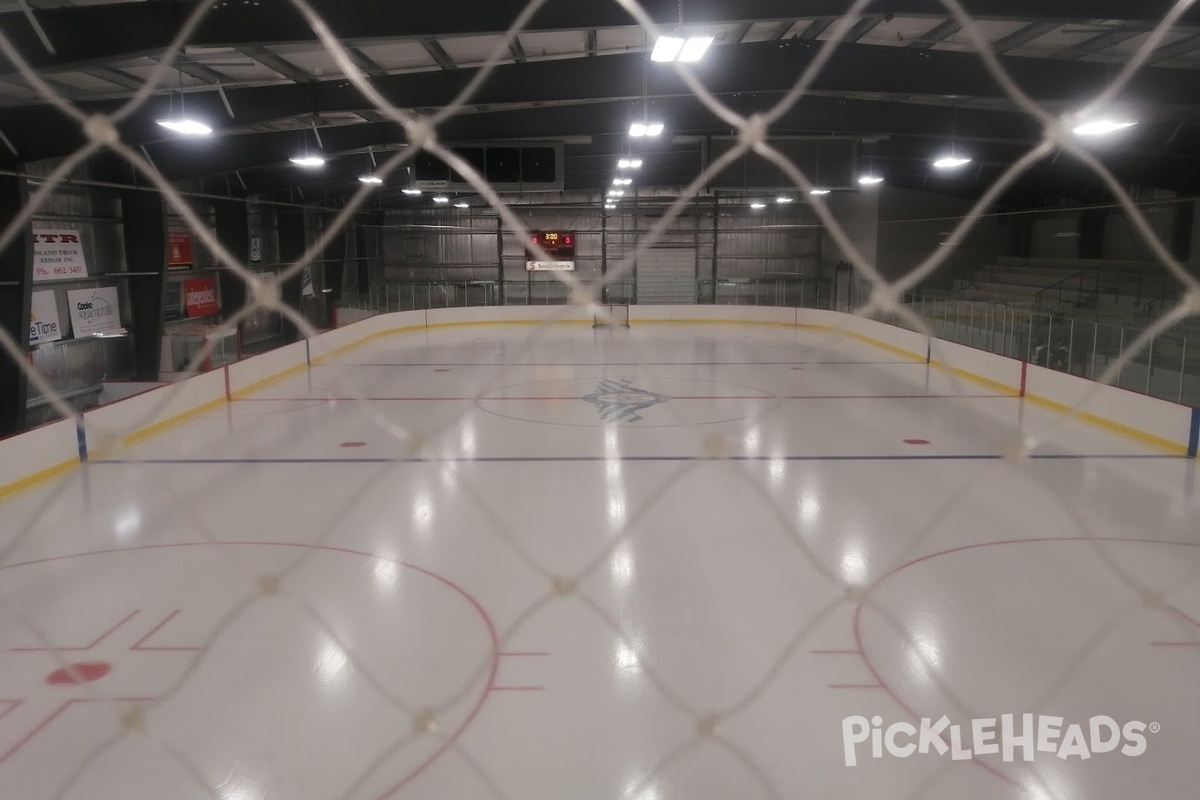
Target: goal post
611, 316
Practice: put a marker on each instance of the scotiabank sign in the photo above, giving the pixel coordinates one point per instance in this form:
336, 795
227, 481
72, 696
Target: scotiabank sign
200, 297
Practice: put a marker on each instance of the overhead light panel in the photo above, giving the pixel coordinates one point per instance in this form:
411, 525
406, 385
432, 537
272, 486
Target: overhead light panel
1102, 127
869, 180
675, 48
616, 193
411, 192
758, 205
374, 179
307, 160
951, 162
622, 181
784, 200
629, 163
462, 205
185, 126
639, 129
666, 48
819, 191
695, 48
610, 206
441, 199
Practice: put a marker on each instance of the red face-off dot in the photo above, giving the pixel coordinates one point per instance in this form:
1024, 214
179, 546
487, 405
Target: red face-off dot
916, 441
353, 444
75, 674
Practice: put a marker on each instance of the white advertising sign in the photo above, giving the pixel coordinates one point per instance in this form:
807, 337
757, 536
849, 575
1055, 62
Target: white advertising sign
43, 319
58, 256
306, 284
255, 249
549, 266
94, 310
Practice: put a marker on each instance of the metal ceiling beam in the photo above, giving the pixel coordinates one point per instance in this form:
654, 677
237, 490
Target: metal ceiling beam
939, 33
815, 29
741, 33
761, 71
125, 30
439, 54
365, 63
1174, 50
1024, 36
863, 27
277, 63
782, 29
516, 50
1098, 44
114, 76
203, 73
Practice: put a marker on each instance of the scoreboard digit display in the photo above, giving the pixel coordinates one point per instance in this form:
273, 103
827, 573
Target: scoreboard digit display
559, 246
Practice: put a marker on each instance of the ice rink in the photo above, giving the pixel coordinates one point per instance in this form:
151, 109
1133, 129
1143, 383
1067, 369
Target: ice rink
658, 563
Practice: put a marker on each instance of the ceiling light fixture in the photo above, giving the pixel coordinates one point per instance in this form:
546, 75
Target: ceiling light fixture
784, 200
951, 162
819, 191
441, 199
640, 129
622, 181
758, 205
1102, 127
869, 180
695, 48
675, 48
629, 163
411, 192
185, 126
610, 206
375, 179
307, 160
666, 48
462, 205
616, 193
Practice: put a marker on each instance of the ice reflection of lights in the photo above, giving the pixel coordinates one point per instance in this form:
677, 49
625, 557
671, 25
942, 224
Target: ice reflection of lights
466, 439
854, 563
639, 790
625, 660
753, 441
616, 509
810, 509
622, 566
386, 573
777, 467
612, 470
422, 513
923, 652
331, 665
237, 790
128, 524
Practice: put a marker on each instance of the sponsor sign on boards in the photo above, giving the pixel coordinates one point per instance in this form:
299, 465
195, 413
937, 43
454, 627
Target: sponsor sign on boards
43, 318
58, 255
200, 297
94, 310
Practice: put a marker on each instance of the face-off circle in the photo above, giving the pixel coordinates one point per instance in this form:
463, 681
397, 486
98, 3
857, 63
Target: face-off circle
172, 635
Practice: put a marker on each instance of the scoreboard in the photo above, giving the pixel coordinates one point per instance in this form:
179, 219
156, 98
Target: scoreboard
559, 246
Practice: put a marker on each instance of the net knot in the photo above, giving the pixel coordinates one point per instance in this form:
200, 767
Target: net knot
753, 131
99, 129
421, 133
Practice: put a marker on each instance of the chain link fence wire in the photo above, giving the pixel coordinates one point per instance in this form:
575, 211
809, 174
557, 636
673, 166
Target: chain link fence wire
429, 717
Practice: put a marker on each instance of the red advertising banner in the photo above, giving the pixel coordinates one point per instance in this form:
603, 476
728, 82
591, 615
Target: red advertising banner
200, 297
179, 249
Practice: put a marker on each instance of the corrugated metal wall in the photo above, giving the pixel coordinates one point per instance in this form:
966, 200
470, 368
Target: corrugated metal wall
455, 257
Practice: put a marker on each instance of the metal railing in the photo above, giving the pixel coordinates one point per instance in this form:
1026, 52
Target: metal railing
1169, 368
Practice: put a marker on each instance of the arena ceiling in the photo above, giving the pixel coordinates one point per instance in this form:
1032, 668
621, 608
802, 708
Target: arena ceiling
905, 77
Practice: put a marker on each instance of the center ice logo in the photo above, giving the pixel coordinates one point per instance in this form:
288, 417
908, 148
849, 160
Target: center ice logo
621, 401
